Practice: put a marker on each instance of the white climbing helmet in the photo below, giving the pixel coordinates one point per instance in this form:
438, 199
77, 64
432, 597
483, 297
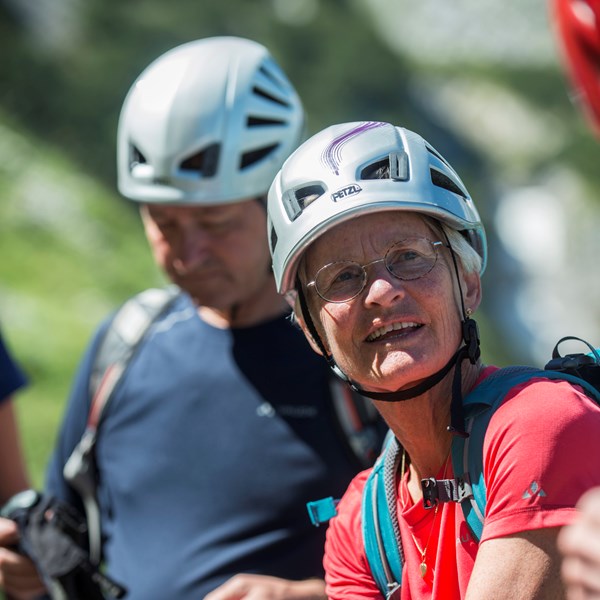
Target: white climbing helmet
208, 122
330, 179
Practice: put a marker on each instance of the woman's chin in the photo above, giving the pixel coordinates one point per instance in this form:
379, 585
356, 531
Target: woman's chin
396, 376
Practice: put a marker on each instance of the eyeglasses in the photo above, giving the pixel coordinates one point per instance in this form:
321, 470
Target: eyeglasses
407, 259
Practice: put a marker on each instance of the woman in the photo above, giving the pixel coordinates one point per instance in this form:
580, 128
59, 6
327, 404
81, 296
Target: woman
380, 248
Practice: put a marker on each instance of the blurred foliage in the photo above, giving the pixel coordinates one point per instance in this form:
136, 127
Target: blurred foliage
76, 249
71, 249
72, 98
71, 253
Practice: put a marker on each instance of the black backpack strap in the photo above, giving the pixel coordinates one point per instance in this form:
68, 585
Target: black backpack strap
121, 340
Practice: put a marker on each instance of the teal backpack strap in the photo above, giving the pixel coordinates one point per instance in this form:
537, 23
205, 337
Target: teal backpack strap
380, 529
467, 453
468, 486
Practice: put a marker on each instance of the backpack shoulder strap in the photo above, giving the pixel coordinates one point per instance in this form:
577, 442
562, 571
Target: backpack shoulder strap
380, 529
122, 338
480, 405
467, 453
128, 327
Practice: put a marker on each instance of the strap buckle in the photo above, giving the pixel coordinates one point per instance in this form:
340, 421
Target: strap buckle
445, 490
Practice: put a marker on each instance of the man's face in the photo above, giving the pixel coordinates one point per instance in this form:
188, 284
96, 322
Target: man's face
218, 254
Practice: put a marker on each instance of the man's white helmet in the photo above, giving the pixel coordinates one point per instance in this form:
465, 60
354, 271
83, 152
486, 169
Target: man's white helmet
208, 122
330, 179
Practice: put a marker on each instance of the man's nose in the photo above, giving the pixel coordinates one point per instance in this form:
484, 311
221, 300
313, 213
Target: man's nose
193, 248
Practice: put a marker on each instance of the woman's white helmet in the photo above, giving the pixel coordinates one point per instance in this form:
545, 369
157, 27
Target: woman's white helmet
329, 179
208, 122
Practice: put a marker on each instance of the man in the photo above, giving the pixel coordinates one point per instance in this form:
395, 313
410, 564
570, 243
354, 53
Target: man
222, 427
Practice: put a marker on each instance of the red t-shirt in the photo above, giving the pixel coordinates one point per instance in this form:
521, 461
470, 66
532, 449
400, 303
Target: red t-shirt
537, 460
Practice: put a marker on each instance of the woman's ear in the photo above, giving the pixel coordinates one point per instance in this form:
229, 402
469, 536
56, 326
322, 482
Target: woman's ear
472, 290
298, 319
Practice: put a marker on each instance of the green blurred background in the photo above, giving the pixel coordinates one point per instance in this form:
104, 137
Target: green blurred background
481, 81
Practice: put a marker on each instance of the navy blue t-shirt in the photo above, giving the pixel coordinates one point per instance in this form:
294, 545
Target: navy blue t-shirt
11, 376
212, 445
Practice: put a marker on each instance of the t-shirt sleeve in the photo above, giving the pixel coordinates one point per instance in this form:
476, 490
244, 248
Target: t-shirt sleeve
347, 573
11, 376
538, 457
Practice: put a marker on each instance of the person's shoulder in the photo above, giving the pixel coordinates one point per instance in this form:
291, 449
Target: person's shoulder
555, 394
540, 402
344, 557
537, 388
359, 481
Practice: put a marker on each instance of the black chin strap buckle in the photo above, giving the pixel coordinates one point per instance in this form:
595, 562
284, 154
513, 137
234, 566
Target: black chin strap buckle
470, 333
472, 351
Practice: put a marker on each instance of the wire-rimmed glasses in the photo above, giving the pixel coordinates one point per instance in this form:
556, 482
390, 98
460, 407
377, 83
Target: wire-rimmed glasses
407, 259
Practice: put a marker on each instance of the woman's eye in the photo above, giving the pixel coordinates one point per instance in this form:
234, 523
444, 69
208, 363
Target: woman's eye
403, 256
347, 275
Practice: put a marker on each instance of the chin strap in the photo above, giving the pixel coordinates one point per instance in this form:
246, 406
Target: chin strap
471, 351
417, 390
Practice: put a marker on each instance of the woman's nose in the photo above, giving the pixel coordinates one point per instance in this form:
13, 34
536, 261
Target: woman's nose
382, 287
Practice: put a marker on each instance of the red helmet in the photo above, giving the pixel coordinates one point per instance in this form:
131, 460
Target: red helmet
578, 26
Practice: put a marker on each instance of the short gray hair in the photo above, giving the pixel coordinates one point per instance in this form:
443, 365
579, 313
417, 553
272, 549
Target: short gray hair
467, 256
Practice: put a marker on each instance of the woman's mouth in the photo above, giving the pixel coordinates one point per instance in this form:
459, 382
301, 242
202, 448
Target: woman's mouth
386, 329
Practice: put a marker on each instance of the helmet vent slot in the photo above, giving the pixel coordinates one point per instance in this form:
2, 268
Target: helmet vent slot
377, 170
137, 158
254, 156
204, 162
394, 166
307, 195
437, 155
270, 75
438, 178
273, 239
296, 201
262, 121
269, 97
